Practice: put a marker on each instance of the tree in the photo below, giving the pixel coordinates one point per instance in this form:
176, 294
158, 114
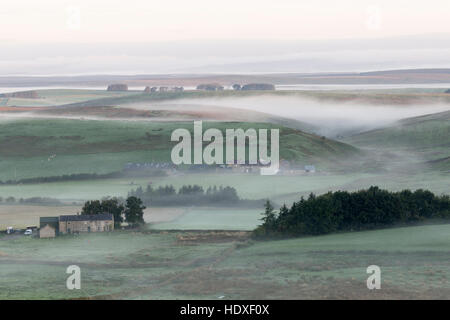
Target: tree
112, 206
115, 208
134, 211
269, 216
92, 207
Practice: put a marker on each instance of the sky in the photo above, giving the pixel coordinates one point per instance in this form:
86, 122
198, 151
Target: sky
106, 36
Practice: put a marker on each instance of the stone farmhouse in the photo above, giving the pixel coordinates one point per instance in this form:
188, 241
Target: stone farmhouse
50, 227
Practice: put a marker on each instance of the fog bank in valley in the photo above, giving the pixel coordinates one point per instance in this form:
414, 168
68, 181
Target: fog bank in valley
330, 118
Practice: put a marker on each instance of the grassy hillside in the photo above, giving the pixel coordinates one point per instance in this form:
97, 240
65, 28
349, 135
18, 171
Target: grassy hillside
427, 136
52, 97
419, 132
48, 147
131, 265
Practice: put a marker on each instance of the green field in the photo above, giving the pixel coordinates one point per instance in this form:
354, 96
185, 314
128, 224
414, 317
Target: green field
214, 219
132, 265
249, 186
159, 263
52, 97
427, 136
89, 146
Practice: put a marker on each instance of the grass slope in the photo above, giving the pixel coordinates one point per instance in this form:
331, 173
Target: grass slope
428, 136
89, 146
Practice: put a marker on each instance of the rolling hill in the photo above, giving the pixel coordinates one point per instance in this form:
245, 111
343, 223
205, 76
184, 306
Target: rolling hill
52, 147
428, 136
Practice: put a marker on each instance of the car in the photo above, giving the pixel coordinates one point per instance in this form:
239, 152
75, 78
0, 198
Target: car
28, 232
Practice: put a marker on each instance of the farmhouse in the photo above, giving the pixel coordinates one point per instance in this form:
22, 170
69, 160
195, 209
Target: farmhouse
86, 223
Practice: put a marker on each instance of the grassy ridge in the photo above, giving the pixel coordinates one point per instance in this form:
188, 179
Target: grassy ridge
427, 136
44, 147
418, 132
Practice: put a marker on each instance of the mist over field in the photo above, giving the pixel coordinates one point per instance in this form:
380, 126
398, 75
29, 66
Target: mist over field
330, 118
104, 169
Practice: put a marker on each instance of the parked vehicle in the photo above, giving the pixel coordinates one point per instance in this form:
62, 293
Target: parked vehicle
9, 230
28, 232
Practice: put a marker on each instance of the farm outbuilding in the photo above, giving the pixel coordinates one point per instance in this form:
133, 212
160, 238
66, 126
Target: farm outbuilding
48, 227
47, 232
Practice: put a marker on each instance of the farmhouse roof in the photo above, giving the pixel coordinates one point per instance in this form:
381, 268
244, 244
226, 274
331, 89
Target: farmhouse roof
87, 217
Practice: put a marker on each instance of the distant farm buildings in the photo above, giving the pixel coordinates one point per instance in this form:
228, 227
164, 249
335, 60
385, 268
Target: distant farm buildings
117, 87
31, 94
145, 165
210, 87
293, 169
236, 87
258, 86
50, 227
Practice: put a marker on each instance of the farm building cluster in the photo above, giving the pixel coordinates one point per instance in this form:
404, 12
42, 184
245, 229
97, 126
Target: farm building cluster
51, 227
200, 87
286, 168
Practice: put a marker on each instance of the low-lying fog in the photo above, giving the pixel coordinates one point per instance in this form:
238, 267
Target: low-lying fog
330, 118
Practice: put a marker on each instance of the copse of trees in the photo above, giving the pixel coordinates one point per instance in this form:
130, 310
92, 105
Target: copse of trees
131, 212
188, 195
32, 200
348, 211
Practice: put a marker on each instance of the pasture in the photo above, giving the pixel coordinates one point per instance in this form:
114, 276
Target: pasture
21, 216
49, 147
414, 262
213, 219
54, 97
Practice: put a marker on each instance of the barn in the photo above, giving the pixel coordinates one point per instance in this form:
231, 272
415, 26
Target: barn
48, 227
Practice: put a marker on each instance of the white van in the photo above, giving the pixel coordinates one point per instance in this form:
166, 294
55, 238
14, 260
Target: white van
28, 232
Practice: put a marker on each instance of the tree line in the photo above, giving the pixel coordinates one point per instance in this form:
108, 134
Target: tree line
190, 195
151, 172
32, 200
349, 211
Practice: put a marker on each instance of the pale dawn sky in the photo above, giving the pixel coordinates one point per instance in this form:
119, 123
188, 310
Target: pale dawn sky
146, 36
